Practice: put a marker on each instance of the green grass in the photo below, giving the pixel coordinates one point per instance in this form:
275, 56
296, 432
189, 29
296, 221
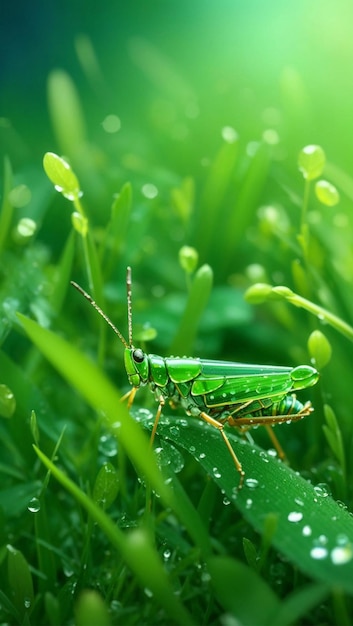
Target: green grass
96, 528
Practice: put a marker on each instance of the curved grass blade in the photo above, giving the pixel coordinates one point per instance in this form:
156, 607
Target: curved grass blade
313, 532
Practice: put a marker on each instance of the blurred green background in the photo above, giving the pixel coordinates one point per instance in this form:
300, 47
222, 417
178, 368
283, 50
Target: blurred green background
176, 72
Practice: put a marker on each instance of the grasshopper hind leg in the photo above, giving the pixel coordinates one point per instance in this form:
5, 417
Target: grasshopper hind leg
210, 420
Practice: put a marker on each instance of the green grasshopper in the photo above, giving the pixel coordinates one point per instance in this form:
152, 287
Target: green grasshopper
219, 392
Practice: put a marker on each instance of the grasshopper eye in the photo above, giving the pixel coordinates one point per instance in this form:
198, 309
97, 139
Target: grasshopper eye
138, 355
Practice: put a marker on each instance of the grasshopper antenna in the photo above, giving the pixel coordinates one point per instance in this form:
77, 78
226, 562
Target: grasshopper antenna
101, 313
129, 305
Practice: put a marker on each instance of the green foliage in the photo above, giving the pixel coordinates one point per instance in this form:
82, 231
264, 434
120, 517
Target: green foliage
96, 527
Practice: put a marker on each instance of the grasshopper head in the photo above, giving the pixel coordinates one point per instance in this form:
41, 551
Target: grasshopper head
136, 365
304, 376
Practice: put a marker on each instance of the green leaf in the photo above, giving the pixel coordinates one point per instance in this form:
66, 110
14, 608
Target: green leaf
326, 193
247, 202
91, 610
106, 486
66, 112
114, 240
319, 349
236, 586
311, 161
183, 199
334, 436
20, 581
188, 259
7, 401
198, 297
79, 223
304, 534
61, 175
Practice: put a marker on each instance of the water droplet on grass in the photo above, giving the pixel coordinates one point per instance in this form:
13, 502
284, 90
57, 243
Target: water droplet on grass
299, 501
321, 490
216, 472
272, 452
251, 483
174, 430
319, 552
167, 554
34, 505
342, 554
295, 516
108, 445
307, 531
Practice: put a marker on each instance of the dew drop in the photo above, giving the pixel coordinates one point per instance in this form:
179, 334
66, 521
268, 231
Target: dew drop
202, 455
150, 191
174, 430
248, 503
272, 452
342, 554
142, 415
319, 552
34, 505
108, 446
216, 472
251, 483
26, 227
307, 531
342, 539
299, 501
167, 554
322, 540
321, 490
295, 516
205, 577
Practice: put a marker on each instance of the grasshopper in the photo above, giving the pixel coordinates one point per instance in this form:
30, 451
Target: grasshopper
219, 392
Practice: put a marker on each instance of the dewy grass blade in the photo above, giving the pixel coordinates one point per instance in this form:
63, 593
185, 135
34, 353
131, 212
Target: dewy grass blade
305, 533
135, 547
